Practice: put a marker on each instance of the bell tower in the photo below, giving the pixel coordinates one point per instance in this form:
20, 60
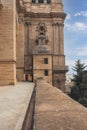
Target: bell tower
44, 23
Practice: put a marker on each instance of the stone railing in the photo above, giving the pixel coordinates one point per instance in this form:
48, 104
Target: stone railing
60, 69
56, 111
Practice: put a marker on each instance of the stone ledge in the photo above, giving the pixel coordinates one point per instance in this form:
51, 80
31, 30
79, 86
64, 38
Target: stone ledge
56, 111
14, 101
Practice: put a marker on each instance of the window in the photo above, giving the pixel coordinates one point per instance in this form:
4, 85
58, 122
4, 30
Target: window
33, 1
40, 1
46, 72
45, 60
48, 1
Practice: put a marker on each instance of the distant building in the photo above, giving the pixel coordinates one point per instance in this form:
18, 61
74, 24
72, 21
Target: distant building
32, 41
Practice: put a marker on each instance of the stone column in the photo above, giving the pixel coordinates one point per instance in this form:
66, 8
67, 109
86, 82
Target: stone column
56, 39
61, 37
36, 1
27, 45
45, 1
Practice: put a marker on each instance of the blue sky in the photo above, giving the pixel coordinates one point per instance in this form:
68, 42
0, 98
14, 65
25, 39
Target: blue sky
75, 31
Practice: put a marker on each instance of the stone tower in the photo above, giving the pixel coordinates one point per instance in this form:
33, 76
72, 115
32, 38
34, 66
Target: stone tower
32, 41
45, 16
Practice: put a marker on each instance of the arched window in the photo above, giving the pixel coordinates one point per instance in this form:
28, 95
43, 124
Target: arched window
48, 1
33, 1
40, 1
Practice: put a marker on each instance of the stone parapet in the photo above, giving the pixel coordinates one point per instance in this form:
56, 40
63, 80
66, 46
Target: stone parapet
56, 111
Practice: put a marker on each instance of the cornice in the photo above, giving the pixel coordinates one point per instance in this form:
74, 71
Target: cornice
45, 15
7, 61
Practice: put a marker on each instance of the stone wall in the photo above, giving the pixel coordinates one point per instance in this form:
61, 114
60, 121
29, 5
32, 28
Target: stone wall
8, 43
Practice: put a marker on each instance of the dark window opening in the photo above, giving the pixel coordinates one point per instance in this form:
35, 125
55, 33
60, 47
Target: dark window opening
26, 77
45, 60
41, 30
48, 1
40, 1
46, 73
33, 1
41, 33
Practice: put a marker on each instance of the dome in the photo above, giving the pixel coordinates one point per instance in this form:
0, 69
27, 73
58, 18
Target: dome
42, 49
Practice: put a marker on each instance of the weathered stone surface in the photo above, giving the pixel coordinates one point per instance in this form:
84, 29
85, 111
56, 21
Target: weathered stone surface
14, 101
24, 26
39, 67
8, 43
56, 111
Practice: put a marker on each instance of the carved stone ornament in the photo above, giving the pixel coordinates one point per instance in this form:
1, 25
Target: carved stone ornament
41, 38
41, 25
21, 19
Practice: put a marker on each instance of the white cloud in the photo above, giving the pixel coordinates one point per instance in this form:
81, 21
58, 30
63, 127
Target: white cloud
82, 13
68, 17
82, 51
78, 51
78, 26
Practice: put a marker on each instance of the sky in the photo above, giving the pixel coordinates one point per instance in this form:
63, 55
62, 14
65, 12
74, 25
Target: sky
75, 32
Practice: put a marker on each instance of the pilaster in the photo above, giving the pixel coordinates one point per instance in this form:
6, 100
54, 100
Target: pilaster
61, 36
20, 48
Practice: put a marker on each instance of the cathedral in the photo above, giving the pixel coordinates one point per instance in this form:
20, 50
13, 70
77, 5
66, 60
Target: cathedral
32, 41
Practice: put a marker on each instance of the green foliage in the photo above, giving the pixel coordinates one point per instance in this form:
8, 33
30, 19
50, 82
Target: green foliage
74, 92
79, 91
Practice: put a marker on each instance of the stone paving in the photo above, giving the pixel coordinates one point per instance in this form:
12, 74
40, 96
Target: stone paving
14, 101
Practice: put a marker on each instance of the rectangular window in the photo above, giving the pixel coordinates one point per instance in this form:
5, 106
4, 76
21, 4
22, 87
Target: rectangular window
40, 1
46, 73
48, 1
45, 60
33, 1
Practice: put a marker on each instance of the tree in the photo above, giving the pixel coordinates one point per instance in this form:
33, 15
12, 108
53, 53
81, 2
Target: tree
79, 90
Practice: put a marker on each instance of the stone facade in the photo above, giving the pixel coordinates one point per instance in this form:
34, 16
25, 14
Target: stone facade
7, 43
28, 24
40, 68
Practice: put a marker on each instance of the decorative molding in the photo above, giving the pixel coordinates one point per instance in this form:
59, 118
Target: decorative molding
45, 15
7, 61
21, 19
59, 23
27, 23
41, 24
